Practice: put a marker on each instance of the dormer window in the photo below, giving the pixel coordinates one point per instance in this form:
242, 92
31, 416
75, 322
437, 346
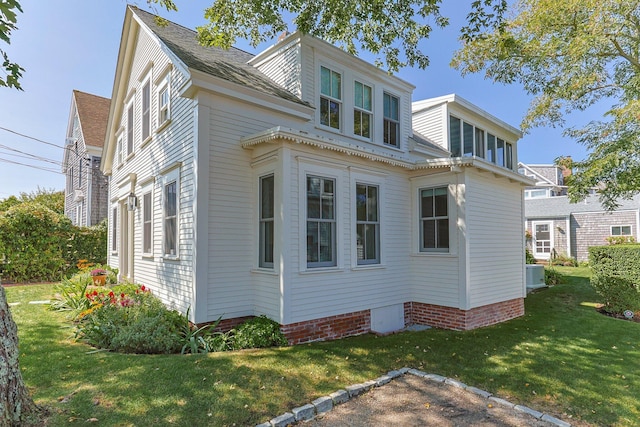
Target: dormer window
331, 97
362, 110
391, 121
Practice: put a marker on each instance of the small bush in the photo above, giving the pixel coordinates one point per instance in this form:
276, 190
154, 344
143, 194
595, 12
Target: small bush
259, 332
563, 260
616, 276
529, 258
70, 295
131, 323
552, 277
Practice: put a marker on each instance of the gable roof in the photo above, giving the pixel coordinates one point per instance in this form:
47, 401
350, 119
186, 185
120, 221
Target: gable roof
93, 114
231, 65
559, 206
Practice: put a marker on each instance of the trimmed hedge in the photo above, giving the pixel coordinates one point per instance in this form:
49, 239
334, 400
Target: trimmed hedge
40, 244
616, 276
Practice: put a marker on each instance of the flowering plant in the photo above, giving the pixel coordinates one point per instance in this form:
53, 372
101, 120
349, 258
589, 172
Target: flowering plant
98, 272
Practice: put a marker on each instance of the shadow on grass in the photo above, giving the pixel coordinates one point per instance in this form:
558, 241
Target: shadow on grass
562, 357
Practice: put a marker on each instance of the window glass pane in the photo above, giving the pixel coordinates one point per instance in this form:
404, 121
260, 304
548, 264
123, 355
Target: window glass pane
146, 204
360, 241
429, 233
326, 241
508, 155
454, 137
479, 151
146, 110
313, 197
467, 132
366, 125
387, 106
336, 85
324, 111
170, 236
372, 203
440, 201
491, 148
443, 233
334, 114
371, 238
500, 152
327, 206
266, 191
427, 204
366, 101
358, 94
325, 81
266, 235
171, 198
394, 108
361, 202
626, 230
312, 241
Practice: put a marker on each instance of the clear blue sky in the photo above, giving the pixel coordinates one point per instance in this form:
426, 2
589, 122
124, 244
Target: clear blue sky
73, 44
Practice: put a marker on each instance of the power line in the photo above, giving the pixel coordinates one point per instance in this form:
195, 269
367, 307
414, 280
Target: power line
31, 137
31, 157
31, 166
44, 159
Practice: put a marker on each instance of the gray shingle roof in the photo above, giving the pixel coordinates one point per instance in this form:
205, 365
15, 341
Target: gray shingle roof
560, 207
230, 65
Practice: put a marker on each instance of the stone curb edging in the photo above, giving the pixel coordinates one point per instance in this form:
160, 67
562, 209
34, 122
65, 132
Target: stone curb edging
326, 403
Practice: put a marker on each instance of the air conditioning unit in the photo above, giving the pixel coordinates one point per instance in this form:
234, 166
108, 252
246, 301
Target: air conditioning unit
78, 195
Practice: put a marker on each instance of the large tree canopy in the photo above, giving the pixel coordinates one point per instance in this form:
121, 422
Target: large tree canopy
10, 72
390, 29
572, 54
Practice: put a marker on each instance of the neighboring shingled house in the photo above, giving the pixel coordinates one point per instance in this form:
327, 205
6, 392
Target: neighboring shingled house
86, 189
292, 184
559, 227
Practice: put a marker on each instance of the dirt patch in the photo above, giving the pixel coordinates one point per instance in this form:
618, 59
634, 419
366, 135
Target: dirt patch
413, 401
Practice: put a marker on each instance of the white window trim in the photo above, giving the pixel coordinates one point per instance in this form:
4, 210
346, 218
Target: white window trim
621, 226
360, 176
421, 247
168, 177
310, 167
266, 265
147, 189
164, 85
341, 101
436, 181
399, 98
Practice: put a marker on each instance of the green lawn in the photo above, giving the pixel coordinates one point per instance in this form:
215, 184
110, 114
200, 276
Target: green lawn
562, 357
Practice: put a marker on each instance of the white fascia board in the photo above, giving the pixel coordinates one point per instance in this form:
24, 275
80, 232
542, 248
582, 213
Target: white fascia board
204, 81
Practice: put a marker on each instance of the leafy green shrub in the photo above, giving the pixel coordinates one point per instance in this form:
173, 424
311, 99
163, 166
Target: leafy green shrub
131, 323
616, 276
529, 258
259, 332
563, 260
203, 339
620, 240
70, 295
40, 244
552, 277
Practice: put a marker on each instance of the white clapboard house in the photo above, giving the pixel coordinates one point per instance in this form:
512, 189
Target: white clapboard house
304, 185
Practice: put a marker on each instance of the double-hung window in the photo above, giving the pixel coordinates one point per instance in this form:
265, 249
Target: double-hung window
466, 139
367, 224
146, 110
321, 222
434, 220
170, 211
266, 231
330, 98
130, 122
147, 231
362, 110
391, 120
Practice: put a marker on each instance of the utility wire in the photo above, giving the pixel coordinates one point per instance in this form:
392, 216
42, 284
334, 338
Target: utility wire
30, 157
32, 138
33, 156
31, 166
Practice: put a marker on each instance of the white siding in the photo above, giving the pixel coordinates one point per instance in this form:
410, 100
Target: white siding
284, 67
432, 123
496, 239
170, 280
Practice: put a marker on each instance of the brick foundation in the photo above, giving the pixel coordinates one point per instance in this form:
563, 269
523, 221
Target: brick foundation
359, 322
328, 328
461, 320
